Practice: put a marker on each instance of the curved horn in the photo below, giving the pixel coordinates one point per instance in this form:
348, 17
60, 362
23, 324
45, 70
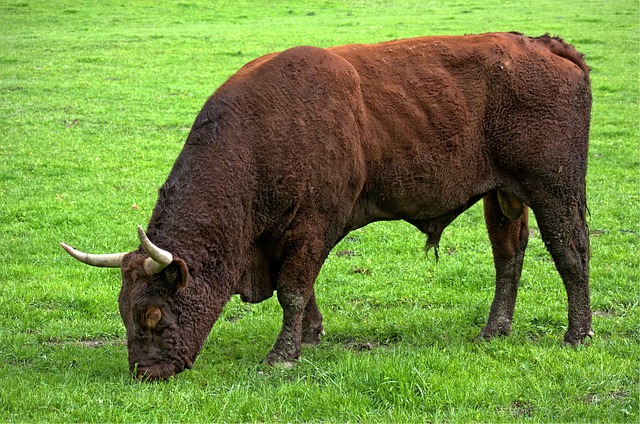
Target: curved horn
109, 260
158, 259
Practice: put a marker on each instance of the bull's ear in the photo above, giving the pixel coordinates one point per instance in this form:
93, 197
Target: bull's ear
177, 273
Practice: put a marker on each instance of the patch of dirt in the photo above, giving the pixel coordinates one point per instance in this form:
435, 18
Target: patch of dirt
604, 314
70, 124
88, 343
618, 395
364, 345
347, 253
361, 345
450, 251
233, 318
521, 408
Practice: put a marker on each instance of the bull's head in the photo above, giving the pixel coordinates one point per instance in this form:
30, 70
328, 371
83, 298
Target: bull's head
151, 282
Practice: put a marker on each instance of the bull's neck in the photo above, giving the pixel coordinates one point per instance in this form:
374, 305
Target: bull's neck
201, 215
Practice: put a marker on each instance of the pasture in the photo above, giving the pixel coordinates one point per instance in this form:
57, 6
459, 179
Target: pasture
96, 100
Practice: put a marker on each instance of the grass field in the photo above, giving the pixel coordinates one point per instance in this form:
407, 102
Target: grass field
96, 100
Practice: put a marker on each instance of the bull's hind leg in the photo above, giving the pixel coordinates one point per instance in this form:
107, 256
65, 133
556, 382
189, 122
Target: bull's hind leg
564, 231
507, 223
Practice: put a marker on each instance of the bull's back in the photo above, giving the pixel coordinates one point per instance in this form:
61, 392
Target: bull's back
414, 127
444, 114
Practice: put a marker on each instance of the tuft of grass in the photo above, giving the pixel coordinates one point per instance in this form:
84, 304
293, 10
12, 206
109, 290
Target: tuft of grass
96, 99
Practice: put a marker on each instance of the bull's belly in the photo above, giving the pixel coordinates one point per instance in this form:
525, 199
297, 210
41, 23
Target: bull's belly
420, 204
424, 210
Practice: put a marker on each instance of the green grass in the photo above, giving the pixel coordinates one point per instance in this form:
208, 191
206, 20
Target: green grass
96, 99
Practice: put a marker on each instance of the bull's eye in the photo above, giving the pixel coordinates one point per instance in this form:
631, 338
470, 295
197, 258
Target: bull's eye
152, 317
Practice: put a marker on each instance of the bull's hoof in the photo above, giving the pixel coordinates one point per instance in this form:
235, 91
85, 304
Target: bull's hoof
276, 359
575, 338
312, 336
492, 331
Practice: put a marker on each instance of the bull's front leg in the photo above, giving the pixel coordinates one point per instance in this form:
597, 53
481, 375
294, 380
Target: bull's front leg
301, 320
312, 330
288, 344
300, 324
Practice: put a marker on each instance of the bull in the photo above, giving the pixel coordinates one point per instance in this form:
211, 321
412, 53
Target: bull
300, 147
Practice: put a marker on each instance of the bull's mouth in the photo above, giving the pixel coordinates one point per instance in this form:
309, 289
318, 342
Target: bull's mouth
158, 372
152, 374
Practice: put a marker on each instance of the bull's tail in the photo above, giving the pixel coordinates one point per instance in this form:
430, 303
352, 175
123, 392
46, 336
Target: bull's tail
559, 47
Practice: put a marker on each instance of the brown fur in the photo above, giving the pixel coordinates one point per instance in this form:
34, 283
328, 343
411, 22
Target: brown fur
300, 147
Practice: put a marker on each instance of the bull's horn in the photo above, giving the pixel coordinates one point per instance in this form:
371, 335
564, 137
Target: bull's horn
109, 260
158, 259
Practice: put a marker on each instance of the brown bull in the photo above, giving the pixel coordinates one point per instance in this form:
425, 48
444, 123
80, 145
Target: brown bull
301, 147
